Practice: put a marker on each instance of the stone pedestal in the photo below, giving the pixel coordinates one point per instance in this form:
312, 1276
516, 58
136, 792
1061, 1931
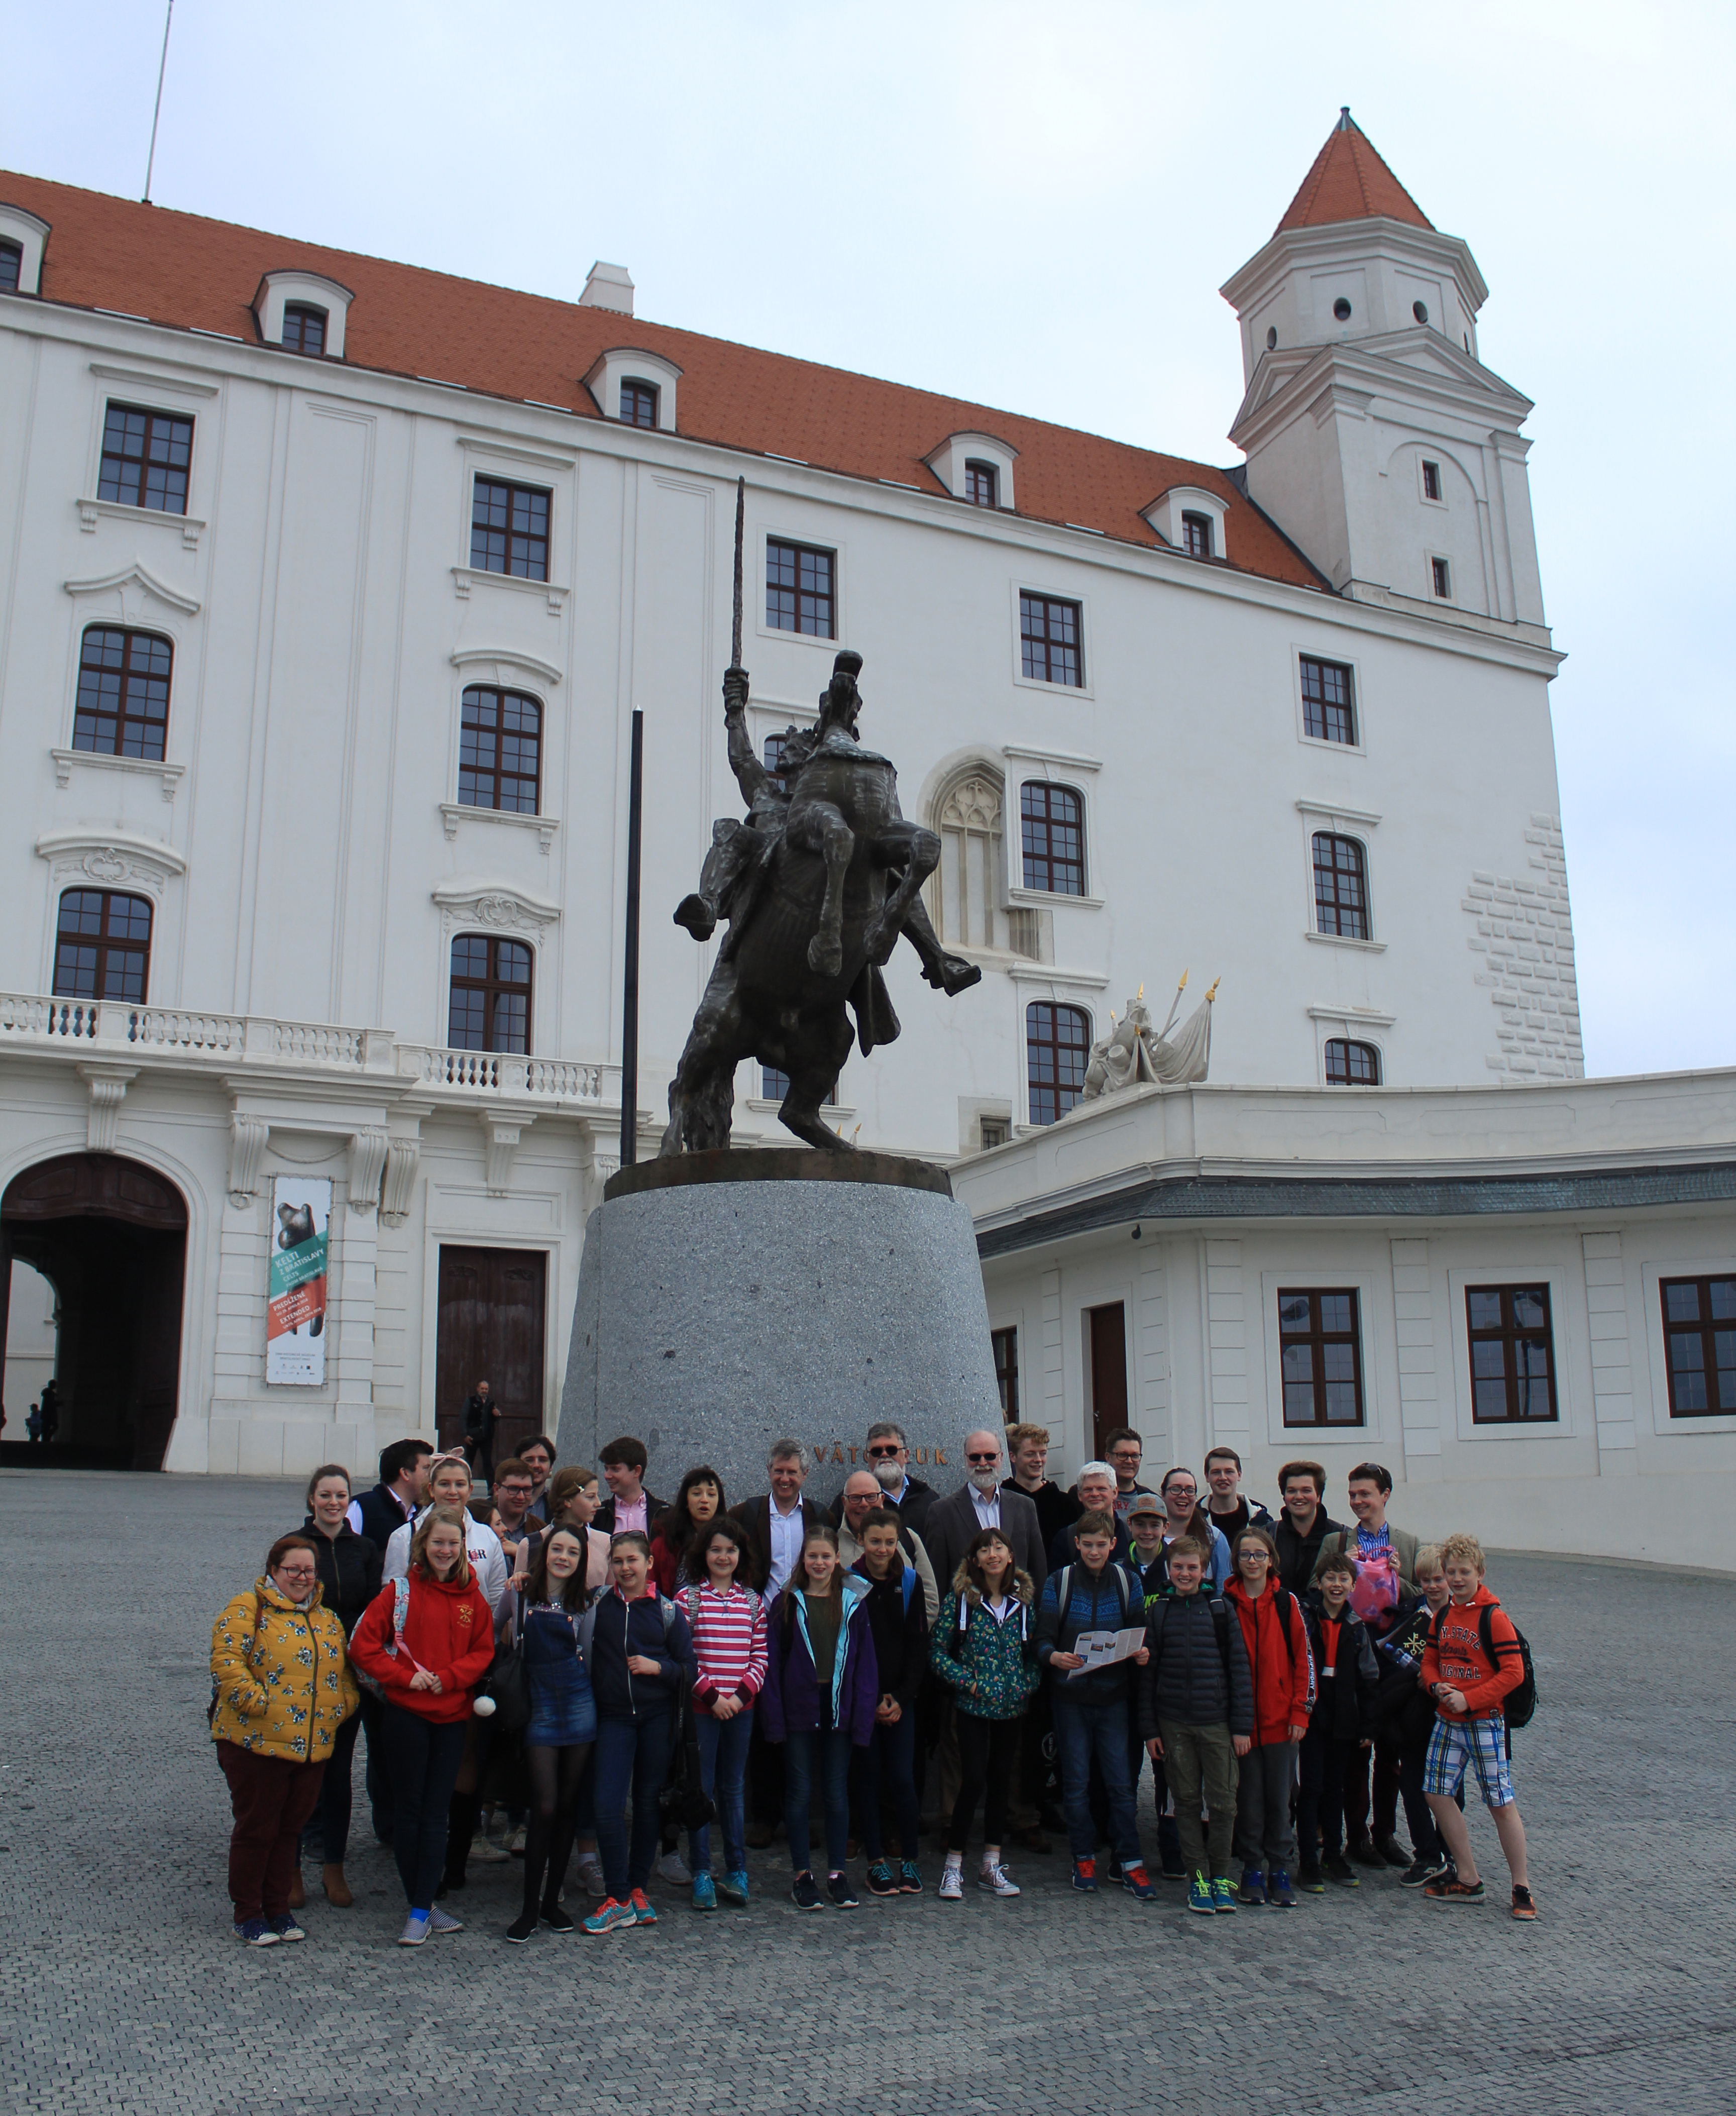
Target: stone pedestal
728, 1298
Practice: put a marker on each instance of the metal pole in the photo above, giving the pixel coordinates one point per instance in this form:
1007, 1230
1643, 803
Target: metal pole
162, 68
630, 996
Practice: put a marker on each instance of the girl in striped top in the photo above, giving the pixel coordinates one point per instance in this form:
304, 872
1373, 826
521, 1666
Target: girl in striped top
727, 1621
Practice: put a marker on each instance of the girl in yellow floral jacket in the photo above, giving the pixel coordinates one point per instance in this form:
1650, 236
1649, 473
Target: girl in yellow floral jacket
281, 1688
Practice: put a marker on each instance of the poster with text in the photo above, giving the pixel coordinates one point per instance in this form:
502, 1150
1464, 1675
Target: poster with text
294, 1309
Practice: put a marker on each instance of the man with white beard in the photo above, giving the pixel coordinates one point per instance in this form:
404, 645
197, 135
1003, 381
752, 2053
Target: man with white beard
887, 1453
982, 1501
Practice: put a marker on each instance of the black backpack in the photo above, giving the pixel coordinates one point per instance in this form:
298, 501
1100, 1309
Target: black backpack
1519, 1706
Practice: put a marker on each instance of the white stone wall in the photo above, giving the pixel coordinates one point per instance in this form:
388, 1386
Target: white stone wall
1525, 934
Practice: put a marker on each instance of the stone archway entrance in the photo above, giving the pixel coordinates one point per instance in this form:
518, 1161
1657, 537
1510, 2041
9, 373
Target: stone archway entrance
110, 1235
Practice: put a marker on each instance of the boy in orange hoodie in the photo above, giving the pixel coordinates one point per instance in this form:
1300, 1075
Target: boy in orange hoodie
1467, 1684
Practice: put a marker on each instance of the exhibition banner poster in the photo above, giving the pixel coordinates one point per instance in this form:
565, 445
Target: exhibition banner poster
295, 1309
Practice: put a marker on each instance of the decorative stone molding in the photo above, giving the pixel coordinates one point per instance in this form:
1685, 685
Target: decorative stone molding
115, 861
107, 1085
1524, 934
171, 774
133, 583
501, 1136
368, 1149
402, 1158
247, 1137
501, 665
466, 577
972, 803
496, 906
90, 512
452, 812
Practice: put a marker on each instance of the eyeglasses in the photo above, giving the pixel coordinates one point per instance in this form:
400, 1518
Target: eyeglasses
990, 1459
1180, 1491
884, 1454
296, 1571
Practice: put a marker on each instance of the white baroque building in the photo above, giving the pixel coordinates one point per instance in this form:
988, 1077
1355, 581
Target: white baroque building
329, 586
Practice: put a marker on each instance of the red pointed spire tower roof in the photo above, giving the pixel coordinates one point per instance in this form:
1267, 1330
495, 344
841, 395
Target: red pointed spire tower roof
1350, 181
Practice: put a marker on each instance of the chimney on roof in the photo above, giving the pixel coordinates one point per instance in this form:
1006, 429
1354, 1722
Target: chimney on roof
609, 286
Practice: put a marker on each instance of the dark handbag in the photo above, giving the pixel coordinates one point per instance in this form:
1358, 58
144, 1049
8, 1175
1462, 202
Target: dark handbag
506, 1682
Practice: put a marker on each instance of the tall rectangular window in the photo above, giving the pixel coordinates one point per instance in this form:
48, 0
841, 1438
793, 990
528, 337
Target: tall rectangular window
509, 530
500, 750
1441, 573
1431, 481
1328, 712
1340, 886
1512, 1361
1700, 1343
123, 693
1052, 834
982, 484
1321, 1352
12, 263
1196, 536
1049, 640
1058, 1041
490, 996
145, 456
800, 589
101, 946
639, 403
1006, 1346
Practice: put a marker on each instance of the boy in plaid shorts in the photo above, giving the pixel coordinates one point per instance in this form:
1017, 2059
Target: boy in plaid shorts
1467, 1686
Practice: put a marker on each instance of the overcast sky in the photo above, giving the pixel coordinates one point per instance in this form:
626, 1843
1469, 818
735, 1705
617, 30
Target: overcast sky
1034, 207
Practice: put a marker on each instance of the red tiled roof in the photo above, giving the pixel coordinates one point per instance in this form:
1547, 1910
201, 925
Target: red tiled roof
186, 272
1349, 181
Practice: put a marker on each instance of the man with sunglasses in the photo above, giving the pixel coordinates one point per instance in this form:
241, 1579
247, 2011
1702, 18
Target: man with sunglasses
887, 1453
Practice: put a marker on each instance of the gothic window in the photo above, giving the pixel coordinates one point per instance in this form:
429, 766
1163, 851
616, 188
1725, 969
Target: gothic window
800, 591
509, 530
1340, 886
1351, 1064
1700, 1338
490, 1003
101, 946
123, 693
1328, 711
145, 456
639, 403
1196, 536
1320, 1349
304, 328
966, 890
1049, 640
1052, 837
500, 750
1058, 1041
982, 484
1513, 1364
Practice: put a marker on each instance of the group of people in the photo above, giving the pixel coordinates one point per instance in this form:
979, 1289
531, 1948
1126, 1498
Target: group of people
1008, 1650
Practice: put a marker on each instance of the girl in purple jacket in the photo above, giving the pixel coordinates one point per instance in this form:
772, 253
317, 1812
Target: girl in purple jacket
821, 1689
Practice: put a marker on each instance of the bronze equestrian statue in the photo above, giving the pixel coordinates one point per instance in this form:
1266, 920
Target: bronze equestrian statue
817, 884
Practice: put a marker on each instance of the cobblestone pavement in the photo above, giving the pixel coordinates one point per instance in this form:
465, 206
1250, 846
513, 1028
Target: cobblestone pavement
122, 1988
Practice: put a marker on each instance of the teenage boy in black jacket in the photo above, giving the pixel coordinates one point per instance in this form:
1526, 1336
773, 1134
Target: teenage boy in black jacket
898, 1620
1342, 1717
1303, 1525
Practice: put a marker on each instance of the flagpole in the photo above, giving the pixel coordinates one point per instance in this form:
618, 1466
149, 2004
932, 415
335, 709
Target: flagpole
162, 64
630, 994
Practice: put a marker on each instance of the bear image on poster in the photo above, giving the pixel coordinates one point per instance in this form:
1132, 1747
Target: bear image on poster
297, 1226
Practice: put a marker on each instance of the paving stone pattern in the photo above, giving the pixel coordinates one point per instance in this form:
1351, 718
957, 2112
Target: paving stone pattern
124, 1990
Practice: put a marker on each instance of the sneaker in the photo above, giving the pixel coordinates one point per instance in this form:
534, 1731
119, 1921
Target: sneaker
557, 1917
1524, 1903
643, 1914
286, 1928
1392, 1852
910, 1877
1199, 1896
1139, 1884
951, 1885
416, 1930
516, 1843
1084, 1876
484, 1853
256, 1933
1339, 1869
439, 1921
705, 1892
521, 1929
1421, 1870
733, 1886
1252, 1891
672, 1868
1311, 1880
1172, 1868
1361, 1850
1450, 1889
609, 1916
1222, 1895
803, 1893
1114, 1868
997, 1880
1278, 1892
882, 1880
839, 1889
591, 1880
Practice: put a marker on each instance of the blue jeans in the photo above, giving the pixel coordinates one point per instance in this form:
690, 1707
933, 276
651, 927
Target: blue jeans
630, 1754
1084, 1731
828, 1751
723, 1770
889, 1761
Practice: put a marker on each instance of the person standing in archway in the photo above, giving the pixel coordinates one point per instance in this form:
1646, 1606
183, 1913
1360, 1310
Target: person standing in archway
50, 1409
481, 1424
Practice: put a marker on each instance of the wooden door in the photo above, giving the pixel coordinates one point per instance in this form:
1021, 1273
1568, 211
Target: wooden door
1108, 1333
491, 1327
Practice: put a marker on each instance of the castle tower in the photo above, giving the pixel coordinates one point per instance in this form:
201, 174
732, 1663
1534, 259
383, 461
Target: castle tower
1374, 436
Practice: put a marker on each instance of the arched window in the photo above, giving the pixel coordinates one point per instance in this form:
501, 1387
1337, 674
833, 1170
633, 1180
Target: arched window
1196, 536
500, 750
982, 484
101, 946
1052, 833
966, 891
123, 693
1340, 886
1352, 1065
1058, 1041
490, 1008
304, 328
12, 263
639, 403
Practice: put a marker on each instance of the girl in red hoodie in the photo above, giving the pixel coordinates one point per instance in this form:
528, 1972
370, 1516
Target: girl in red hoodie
424, 1644
1283, 1669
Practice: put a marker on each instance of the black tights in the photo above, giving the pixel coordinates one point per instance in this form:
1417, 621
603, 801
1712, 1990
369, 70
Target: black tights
553, 1776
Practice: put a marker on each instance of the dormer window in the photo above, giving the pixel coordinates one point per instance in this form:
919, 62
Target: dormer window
639, 404
304, 330
1196, 536
1191, 519
976, 468
11, 264
23, 238
982, 484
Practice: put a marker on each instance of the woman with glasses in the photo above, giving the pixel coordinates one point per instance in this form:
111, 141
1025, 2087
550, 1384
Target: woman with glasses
1184, 1516
281, 1689
349, 1580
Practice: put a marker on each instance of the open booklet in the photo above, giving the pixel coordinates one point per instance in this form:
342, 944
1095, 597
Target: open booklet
1103, 1648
